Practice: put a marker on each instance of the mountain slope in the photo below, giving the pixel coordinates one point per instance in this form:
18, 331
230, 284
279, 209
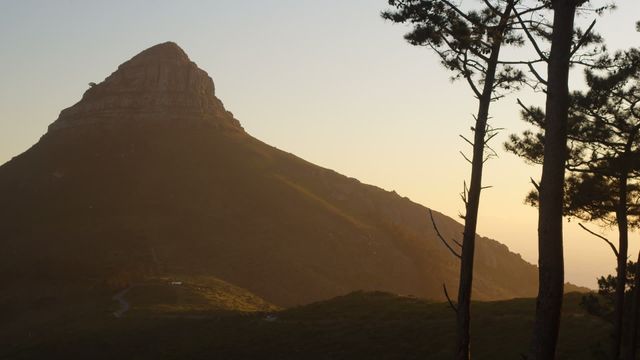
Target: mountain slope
149, 175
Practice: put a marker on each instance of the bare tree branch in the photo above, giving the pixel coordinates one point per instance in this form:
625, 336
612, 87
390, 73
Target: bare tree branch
536, 74
492, 8
460, 12
533, 9
446, 293
530, 37
465, 139
583, 39
535, 184
613, 247
465, 157
491, 136
435, 227
467, 76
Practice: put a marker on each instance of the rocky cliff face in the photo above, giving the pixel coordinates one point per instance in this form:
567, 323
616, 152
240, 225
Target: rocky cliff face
160, 84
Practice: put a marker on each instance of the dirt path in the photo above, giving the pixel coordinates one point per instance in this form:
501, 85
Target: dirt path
124, 304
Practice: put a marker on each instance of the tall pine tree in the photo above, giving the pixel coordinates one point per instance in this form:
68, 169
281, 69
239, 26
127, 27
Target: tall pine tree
603, 181
469, 42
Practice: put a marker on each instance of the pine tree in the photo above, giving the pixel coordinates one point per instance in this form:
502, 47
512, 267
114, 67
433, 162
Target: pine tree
469, 44
603, 183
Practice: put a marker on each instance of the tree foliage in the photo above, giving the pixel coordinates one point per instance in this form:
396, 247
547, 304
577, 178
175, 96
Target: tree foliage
469, 43
603, 153
464, 39
603, 141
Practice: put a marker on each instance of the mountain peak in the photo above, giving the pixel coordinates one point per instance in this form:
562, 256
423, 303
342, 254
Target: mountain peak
159, 84
163, 51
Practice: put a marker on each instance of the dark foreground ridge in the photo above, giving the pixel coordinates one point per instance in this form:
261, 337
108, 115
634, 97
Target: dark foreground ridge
357, 326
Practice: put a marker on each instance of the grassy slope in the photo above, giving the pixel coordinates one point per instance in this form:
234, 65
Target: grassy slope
195, 296
64, 312
356, 326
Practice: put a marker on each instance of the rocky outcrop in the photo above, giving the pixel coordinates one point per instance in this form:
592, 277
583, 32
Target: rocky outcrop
160, 84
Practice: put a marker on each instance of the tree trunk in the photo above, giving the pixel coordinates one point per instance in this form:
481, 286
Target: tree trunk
623, 245
621, 281
463, 315
630, 350
621, 273
550, 249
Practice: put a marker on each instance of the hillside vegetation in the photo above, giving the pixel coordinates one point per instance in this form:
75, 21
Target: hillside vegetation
360, 325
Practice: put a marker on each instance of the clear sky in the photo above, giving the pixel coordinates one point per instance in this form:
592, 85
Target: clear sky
329, 81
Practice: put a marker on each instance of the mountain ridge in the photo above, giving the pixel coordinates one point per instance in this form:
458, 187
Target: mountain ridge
148, 174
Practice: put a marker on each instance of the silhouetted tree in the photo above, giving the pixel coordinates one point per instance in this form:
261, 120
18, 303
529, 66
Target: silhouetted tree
602, 184
550, 249
630, 353
603, 305
469, 44
632, 333
565, 42
607, 289
607, 285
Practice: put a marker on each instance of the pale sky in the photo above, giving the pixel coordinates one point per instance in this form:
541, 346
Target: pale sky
329, 81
